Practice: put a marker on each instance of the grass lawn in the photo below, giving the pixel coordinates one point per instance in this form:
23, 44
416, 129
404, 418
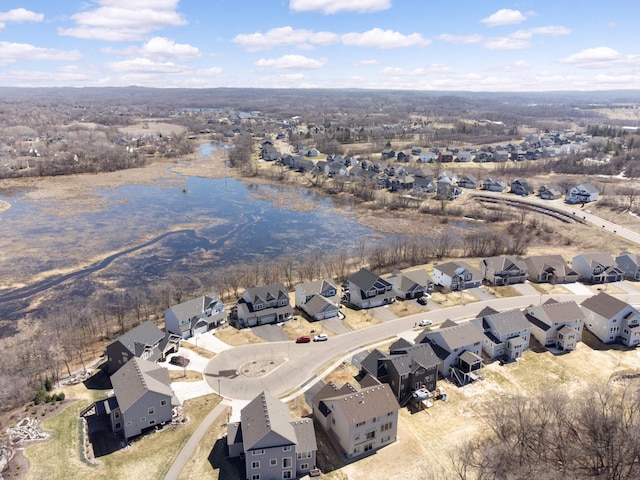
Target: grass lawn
185, 376
452, 299
357, 319
502, 292
234, 336
203, 352
149, 457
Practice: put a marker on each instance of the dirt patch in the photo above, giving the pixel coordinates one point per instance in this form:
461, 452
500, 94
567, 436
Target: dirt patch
234, 337
452, 299
404, 308
502, 292
185, 376
357, 319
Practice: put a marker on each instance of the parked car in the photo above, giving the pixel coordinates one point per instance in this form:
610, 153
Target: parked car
425, 323
422, 300
321, 337
303, 339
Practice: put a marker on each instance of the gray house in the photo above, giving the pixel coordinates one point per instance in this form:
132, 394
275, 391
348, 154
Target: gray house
521, 187
556, 324
629, 263
142, 399
273, 445
408, 369
506, 334
456, 276
550, 269
467, 181
411, 284
365, 289
318, 299
493, 185
263, 305
145, 341
195, 316
503, 270
597, 268
549, 192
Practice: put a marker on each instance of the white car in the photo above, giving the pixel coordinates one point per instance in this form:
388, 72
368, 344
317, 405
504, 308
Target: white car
425, 323
321, 337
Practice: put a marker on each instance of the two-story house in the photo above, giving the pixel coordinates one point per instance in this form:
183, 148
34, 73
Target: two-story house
146, 341
365, 289
263, 305
407, 368
521, 187
195, 316
597, 268
550, 269
556, 324
411, 284
503, 270
506, 334
273, 445
612, 320
142, 398
456, 276
318, 299
459, 347
359, 421
583, 193
629, 263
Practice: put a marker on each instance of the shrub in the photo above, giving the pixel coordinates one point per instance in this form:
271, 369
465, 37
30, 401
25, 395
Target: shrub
48, 386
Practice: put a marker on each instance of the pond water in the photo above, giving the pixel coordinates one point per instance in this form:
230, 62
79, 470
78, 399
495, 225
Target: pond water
218, 223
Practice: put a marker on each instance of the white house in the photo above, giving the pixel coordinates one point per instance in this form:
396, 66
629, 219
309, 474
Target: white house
506, 334
456, 276
556, 324
195, 316
612, 320
583, 193
318, 299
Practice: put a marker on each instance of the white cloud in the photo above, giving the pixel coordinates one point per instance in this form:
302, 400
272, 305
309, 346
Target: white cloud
277, 37
551, 31
13, 52
392, 71
378, 38
514, 67
504, 16
19, 15
367, 62
515, 41
160, 47
144, 65
449, 38
601, 57
287, 62
337, 6
433, 69
124, 20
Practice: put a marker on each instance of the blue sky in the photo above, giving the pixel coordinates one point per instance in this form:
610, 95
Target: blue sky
472, 45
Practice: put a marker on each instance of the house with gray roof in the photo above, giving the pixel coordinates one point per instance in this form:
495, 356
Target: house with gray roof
145, 341
629, 263
506, 334
583, 193
142, 398
365, 289
273, 444
411, 284
556, 324
318, 299
198, 315
459, 347
503, 270
358, 421
612, 320
408, 368
521, 187
597, 267
493, 185
550, 269
549, 192
263, 305
456, 276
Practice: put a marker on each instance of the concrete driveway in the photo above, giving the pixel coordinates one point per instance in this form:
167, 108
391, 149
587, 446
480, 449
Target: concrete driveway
383, 313
270, 333
480, 293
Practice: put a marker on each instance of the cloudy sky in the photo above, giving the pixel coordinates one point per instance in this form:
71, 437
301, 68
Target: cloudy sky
520, 45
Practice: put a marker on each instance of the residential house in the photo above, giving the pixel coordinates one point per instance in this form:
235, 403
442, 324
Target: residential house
146, 341
583, 193
446, 190
403, 157
500, 155
401, 182
304, 165
445, 157
427, 157
597, 268
424, 184
506, 334
459, 347
503, 270
361, 421
464, 156
550, 269
334, 168
629, 263
318, 299
312, 152
408, 369
411, 284
556, 324
521, 187
195, 316
456, 276
612, 320
467, 181
388, 153
272, 443
142, 398
365, 289
549, 192
263, 305
493, 185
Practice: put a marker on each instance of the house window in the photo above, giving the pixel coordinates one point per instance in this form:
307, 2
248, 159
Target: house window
127, 424
303, 455
333, 421
273, 462
258, 452
374, 419
259, 306
359, 424
304, 466
389, 414
143, 419
371, 435
117, 414
255, 465
286, 474
287, 448
286, 462
255, 476
151, 411
152, 422
386, 426
368, 447
163, 403
118, 426
357, 437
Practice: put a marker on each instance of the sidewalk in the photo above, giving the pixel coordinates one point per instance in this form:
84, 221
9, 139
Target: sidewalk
208, 341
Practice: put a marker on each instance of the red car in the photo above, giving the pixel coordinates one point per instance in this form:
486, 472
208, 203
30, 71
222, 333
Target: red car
303, 339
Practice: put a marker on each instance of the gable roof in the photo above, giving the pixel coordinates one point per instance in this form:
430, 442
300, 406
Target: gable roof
604, 304
137, 377
317, 286
598, 258
503, 262
452, 269
138, 338
366, 280
194, 307
508, 322
549, 263
457, 335
365, 404
266, 422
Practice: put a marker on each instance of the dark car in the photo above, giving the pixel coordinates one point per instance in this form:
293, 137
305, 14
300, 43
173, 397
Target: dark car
303, 339
422, 300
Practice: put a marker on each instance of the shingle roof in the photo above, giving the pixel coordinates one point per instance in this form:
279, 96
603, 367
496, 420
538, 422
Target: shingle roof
305, 435
262, 416
508, 322
193, 307
366, 280
137, 377
604, 304
145, 334
460, 335
317, 304
457, 268
365, 404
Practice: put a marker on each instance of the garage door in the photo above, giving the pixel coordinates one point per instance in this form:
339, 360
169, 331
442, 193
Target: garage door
268, 319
